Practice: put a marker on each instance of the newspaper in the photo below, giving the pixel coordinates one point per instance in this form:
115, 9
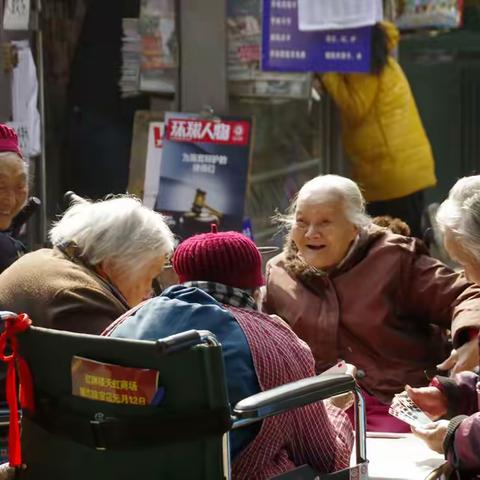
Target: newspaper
159, 52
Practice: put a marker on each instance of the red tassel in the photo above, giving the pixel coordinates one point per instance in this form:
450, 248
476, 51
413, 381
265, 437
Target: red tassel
13, 325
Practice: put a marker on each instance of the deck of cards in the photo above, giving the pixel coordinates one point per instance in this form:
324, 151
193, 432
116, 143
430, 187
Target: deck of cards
405, 409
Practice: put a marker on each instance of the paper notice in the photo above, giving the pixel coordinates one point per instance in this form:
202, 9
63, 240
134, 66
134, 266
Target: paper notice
338, 14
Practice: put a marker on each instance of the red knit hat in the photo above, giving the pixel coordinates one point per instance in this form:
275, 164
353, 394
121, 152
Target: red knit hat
226, 257
9, 140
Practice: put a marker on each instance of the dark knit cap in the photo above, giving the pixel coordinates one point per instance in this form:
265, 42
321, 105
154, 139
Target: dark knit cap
225, 257
9, 140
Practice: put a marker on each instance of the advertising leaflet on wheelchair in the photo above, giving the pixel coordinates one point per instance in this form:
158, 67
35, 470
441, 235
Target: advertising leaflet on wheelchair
114, 383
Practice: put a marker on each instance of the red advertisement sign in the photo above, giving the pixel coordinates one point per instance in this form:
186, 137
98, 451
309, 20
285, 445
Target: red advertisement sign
220, 132
113, 383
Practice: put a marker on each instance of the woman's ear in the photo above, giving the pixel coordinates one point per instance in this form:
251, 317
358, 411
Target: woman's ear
103, 269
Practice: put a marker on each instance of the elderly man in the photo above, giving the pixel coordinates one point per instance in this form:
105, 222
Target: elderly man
104, 258
355, 291
13, 193
221, 274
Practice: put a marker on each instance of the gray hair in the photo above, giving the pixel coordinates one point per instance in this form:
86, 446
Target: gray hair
460, 213
331, 188
119, 229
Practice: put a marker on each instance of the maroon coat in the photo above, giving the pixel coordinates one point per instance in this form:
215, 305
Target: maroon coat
385, 309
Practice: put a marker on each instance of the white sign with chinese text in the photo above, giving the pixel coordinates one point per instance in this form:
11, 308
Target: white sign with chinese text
25, 97
314, 15
152, 166
16, 15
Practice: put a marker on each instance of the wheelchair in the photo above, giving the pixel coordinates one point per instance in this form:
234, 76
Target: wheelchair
185, 435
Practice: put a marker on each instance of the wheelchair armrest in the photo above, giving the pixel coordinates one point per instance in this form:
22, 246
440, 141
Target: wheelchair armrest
184, 341
289, 396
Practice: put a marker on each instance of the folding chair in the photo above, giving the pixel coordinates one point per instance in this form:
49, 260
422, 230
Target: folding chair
185, 436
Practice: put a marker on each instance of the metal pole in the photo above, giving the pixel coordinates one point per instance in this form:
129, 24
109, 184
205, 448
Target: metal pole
41, 90
360, 427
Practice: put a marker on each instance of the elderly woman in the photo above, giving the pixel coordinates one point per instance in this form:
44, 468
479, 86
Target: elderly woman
456, 400
13, 193
104, 258
356, 291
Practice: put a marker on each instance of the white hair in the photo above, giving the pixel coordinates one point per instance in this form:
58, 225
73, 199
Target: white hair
120, 230
460, 213
331, 188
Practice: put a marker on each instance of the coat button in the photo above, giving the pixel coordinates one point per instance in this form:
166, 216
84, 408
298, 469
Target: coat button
361, 373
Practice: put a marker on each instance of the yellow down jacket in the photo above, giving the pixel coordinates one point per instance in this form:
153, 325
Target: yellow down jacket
383, 135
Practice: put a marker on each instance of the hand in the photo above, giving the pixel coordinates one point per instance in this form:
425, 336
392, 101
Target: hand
343, 401
433, 434
462, 358
430, 399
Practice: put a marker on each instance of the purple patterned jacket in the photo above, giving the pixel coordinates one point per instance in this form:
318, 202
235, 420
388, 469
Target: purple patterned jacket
462, 443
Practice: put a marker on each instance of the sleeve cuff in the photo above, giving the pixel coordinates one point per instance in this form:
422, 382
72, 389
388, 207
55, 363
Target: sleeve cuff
450, 436
448, 386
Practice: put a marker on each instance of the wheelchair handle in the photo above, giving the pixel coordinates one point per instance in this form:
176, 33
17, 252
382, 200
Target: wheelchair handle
184, 341
5, 314
32, 205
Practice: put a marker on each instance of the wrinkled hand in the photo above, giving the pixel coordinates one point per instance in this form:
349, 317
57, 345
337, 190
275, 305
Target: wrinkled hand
430, 399
433, 434
343, 401
462, 358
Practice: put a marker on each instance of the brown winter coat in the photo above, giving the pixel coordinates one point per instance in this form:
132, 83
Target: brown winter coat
385, 309
59, 293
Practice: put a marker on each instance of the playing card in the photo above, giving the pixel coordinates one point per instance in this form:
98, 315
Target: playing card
405, 409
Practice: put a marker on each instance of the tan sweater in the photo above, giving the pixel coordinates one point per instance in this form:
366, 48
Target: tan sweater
59, 293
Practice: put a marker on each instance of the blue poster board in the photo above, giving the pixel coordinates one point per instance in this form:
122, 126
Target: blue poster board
286, 49
204, 172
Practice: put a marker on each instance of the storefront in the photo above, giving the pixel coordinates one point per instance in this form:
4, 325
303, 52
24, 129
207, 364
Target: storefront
107, 62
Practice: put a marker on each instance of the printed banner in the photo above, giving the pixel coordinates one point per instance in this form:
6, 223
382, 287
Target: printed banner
286, 49
113, 383
203, 173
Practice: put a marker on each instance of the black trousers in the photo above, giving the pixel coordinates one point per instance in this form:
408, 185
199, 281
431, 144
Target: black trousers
409, 209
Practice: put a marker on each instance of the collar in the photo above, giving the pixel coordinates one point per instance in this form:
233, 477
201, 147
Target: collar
71, 252
236, 297
349, 254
